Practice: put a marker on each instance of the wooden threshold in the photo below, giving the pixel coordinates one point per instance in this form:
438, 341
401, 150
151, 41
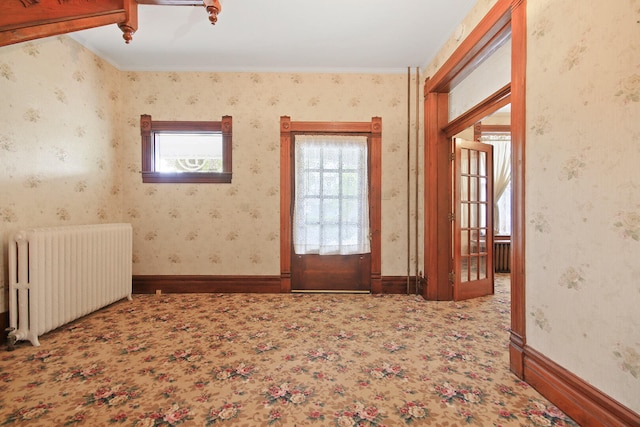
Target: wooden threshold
320, 291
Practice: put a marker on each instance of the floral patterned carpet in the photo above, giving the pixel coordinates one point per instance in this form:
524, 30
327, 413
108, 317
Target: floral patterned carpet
275, 359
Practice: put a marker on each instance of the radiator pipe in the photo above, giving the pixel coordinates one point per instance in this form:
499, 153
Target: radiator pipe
417, 126
408, 179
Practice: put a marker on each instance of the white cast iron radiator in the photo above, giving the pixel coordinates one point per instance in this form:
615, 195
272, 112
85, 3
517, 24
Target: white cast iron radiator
59, 274
502, 256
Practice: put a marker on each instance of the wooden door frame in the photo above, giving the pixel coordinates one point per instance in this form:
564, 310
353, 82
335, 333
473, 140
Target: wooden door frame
506, 18
374, 129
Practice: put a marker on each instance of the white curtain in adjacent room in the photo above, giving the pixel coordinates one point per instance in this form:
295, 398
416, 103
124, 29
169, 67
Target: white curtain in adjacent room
501, 180
331, 207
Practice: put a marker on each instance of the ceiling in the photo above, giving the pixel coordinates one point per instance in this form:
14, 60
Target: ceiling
377, 36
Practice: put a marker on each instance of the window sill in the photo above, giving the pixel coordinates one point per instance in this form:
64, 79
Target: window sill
186, 178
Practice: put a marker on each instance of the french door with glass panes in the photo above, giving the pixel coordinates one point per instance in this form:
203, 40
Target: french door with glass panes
473, 220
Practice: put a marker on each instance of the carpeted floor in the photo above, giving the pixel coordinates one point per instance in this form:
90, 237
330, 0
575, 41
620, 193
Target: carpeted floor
275, 359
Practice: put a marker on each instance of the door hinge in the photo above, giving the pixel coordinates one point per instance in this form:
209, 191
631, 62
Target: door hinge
452, 156
452, 216
452, 277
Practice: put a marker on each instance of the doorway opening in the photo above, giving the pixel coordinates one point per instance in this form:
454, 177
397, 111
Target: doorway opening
506, 20
495, 129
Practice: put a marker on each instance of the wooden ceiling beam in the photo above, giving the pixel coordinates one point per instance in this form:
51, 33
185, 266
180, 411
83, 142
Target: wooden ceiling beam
24, 20
172, 2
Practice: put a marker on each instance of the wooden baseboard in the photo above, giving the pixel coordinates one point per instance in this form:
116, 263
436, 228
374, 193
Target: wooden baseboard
582, 402
205, 284
240, 284
398, 285
516, 354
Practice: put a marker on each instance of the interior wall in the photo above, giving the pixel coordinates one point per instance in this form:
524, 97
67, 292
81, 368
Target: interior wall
59, 112
493, 74
234, 229
583, 191
70, 144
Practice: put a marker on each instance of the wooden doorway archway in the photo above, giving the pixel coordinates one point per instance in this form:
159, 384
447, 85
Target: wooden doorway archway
507, 18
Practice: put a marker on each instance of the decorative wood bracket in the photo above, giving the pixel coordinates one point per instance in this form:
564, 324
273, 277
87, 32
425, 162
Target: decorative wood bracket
213, 9
129, 26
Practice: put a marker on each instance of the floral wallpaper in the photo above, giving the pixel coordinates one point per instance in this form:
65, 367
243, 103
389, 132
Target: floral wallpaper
235, 228
70, 143
583, 191
59, 139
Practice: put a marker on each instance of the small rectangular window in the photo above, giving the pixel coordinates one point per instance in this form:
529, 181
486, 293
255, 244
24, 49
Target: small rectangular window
186, 152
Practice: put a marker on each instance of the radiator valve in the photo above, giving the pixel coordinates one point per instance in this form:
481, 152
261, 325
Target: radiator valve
11, 338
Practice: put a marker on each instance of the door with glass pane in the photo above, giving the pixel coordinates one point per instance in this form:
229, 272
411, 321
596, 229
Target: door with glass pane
331, 249
473, 220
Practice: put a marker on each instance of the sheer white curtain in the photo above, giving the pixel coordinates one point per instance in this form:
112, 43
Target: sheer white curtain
331, 207
501, 178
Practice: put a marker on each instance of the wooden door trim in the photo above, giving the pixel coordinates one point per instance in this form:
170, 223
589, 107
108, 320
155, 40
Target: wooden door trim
374, 131
487, 37
491, 104
518, 132
506, 18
